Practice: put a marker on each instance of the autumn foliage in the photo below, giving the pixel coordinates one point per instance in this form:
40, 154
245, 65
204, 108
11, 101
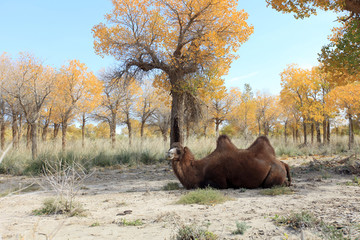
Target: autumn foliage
173, 56
305, 8
177, 38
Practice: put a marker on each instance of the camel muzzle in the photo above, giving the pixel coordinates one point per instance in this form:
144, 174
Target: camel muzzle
171, 154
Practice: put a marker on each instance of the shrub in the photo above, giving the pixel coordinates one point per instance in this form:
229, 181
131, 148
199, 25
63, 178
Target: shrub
194, 232
241, 227
65, 179
206, 196
54, 206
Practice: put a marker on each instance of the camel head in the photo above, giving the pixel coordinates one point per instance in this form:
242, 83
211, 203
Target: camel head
175, 152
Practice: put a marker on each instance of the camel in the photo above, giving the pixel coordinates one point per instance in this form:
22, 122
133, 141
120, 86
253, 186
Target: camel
230, 167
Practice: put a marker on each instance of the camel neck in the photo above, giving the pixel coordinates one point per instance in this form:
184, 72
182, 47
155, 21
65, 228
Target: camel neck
186, 172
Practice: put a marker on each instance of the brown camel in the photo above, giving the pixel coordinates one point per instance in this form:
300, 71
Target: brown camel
230, 167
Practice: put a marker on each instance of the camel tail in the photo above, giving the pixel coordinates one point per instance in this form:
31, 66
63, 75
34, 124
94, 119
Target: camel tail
287, 173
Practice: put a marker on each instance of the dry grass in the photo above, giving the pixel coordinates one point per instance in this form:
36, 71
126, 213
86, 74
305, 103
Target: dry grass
277, 190
206, 196
150, 151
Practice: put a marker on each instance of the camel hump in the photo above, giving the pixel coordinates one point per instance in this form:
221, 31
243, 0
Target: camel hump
224, 143
262, 144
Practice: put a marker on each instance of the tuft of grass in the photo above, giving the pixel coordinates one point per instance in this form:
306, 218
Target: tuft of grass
297, 220
171, 186
355, 182
305, 219
277, 190
192, 232
332, 233
53, 206
124, 222
95, 224
241, 228
207, 196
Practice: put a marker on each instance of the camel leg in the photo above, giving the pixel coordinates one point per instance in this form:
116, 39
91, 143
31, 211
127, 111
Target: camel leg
276, 176
215, 182
288, 182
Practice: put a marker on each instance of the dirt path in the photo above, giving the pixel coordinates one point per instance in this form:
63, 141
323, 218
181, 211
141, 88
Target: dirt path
138, 192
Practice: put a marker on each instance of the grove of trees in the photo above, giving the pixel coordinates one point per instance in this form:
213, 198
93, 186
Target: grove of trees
173, 56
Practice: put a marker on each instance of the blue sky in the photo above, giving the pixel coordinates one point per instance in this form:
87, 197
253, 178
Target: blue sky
58, 31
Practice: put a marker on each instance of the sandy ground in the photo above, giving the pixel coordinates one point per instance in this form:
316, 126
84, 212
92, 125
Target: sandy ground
108, 193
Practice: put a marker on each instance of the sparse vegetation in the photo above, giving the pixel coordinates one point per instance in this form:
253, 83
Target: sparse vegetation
65, 179
53, 206
191, 232
206, 196
297, 220
171, 186
95, 224
277, 190
241, 228
355, 182
305, 219
124, 222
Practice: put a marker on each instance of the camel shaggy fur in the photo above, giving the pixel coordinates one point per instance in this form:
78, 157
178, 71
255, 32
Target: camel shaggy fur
230, 167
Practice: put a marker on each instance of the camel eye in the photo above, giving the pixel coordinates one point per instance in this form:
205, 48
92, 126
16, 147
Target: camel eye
178, 152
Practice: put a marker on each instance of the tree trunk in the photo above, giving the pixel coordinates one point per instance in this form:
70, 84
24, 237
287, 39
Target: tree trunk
285, 131
44, 132
294, 135
2, 135
129, 126
318, 133
325, 131
20, 128
33, 133
328, 131
297, 137
28, 135
83, 131
217, 126
305, 132
142, 129
2, 125
177, 118
142, 133
56, 129
351, 132
15, 131
266, 129
112, 134
64, 126
188, 132
312, 132
164, 135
